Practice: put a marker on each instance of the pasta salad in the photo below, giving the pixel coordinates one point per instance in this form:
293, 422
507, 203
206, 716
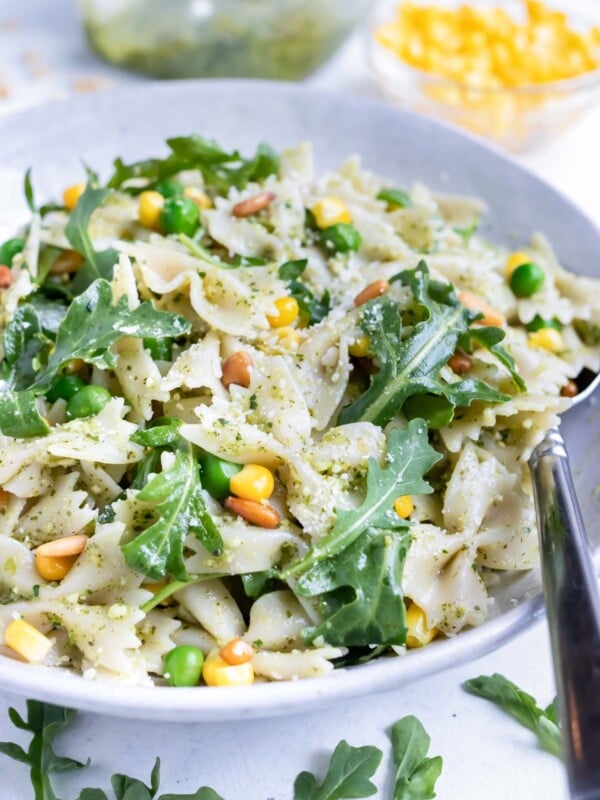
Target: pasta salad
258, 423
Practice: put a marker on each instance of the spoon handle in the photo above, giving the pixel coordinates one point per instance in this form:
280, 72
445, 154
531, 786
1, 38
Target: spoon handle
573, 608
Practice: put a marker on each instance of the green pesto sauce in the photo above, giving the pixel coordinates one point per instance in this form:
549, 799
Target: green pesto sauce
281, 39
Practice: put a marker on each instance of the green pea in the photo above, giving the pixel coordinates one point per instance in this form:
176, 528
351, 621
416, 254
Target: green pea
436, 411
88, 401
182, 666
180, 215
537, 323
64, 387
216, 474
169, 188
9, 249
160, 349
527, 279
341, 238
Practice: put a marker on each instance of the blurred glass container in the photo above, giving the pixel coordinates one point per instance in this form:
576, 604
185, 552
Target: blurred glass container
280, 39
516, 117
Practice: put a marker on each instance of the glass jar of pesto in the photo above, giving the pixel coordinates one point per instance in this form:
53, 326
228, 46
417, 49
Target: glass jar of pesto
280, 39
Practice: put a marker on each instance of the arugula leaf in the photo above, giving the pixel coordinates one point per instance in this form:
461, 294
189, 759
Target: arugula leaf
50, 311
91, 325
522, 706
158, 435
356, 570
395, 197
220, 169
314, 308
410, 365
199, 251
28, 192
371, 567
588, 332
23, 342
416, 774
490, 338
176, 494
258, 583
467, 232
20, 416
127, 788
97, 264
350, 769
45, 722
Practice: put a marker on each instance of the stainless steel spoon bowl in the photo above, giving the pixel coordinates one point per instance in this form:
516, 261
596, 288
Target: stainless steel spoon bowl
572, 605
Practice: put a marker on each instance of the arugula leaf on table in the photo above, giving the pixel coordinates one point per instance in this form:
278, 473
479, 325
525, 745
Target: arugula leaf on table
220, 169
348, 775
97, 264
410, 360
90, 327
315, 308
356, 569
416, 774
126, 788
522, 706
176, 495
45, 722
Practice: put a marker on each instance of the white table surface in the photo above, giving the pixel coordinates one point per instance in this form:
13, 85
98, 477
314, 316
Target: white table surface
486, 755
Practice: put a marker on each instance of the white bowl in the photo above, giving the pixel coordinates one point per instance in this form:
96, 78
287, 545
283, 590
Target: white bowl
133, 123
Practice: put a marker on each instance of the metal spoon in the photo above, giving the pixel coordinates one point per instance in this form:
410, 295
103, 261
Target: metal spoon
572, 605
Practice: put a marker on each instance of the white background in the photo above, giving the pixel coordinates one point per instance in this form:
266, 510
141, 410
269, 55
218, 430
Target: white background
486, 754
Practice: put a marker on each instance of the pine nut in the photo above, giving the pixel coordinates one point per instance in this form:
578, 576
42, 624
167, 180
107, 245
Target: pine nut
6, 277
236, 369
74, 365
237, 651
570, 389
253, 204
4, 498
375, 289
68, 261
67, 546
460, 363
260, 514
477, 303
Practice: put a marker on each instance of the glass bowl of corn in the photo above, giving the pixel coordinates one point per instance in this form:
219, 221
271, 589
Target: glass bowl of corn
515, 72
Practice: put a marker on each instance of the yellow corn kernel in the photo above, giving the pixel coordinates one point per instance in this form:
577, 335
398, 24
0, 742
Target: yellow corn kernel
197, 195
72, 194
404, 506
289, 337
360, 347
252, 482
515, 260
150, 206
27, 641
330, 211
419, 634
217, 672
287, 311
548, 339
53, 568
